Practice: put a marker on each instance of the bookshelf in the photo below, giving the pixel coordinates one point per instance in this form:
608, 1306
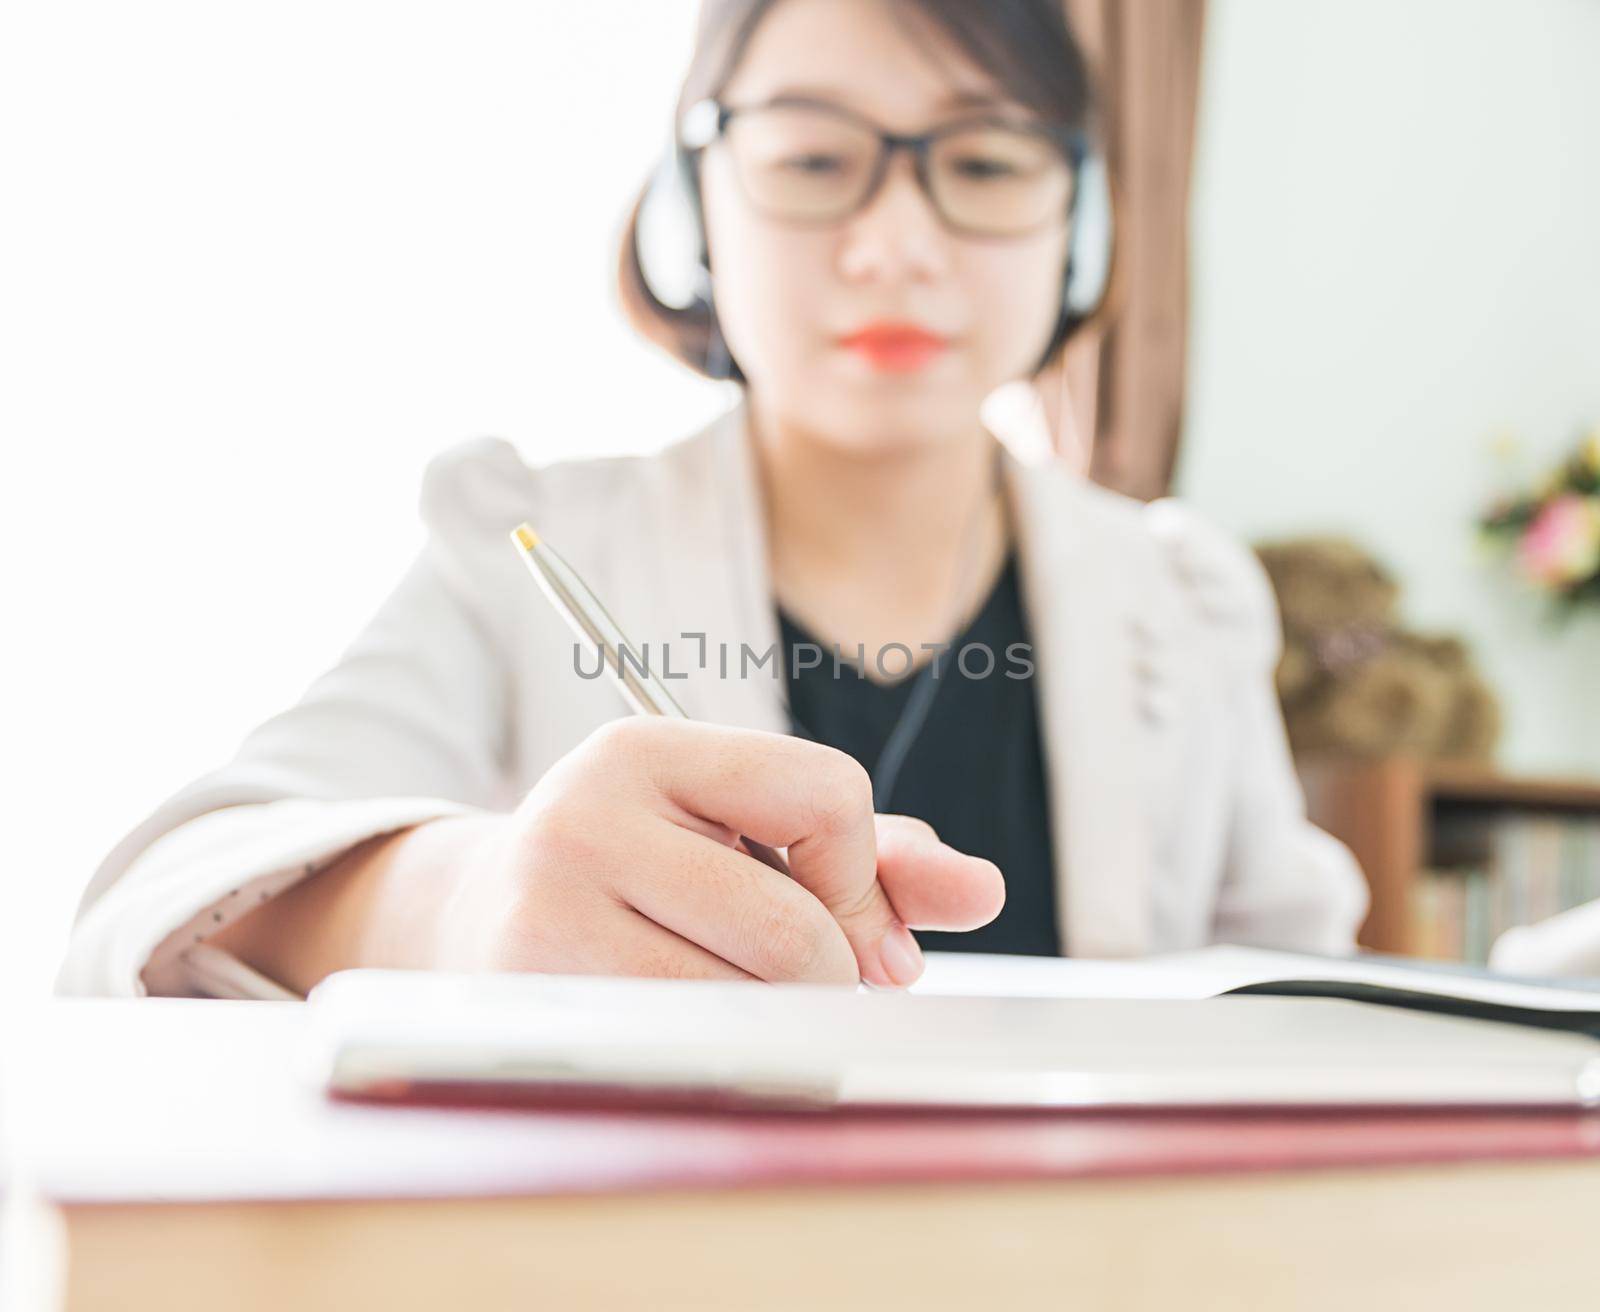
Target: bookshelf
1413, 825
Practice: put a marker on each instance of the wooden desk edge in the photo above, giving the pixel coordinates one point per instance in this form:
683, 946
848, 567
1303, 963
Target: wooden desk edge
1463, 1237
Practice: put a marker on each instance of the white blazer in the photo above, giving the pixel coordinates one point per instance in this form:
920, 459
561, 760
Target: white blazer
1177, 816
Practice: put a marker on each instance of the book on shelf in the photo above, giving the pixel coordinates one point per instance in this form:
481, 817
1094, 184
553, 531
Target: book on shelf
1492, 872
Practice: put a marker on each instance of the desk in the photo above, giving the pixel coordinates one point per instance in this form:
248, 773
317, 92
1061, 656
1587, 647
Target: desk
195, 1168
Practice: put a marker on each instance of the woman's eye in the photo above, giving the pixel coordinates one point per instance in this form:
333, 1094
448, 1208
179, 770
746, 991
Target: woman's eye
814, 163
981, 168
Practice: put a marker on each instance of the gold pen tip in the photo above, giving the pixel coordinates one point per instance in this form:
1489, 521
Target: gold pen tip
524, 536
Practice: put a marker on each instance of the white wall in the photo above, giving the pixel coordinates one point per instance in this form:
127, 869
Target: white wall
1397, 257
268, 260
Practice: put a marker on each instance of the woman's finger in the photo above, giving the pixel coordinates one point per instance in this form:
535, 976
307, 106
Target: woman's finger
787, 792
931, 884
625, 942
739, 909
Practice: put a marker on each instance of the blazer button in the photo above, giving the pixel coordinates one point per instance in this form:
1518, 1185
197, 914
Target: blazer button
1156, 705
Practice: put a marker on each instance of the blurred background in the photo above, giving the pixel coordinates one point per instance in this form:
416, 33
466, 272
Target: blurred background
267, 260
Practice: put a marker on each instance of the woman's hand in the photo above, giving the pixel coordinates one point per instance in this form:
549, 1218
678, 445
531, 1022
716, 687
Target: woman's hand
625, 859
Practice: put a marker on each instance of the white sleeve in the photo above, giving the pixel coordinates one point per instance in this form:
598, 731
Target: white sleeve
1286, 883
145, 933
1568, 943
410, 724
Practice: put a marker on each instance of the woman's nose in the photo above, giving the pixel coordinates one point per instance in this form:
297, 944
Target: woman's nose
898, 236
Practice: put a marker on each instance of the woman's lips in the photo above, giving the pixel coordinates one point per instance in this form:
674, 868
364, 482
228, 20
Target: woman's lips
895, 347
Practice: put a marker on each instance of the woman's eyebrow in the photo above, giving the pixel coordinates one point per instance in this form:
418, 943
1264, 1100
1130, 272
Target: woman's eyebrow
830, 95
975, 100
970, 99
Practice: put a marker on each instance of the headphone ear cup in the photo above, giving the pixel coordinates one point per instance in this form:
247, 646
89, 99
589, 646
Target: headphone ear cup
1088, 271
1089, 260
670, 235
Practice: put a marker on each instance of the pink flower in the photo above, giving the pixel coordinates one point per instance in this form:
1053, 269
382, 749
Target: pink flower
1562, 545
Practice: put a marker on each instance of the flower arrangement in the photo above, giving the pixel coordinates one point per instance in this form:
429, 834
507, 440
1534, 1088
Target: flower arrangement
1553, 532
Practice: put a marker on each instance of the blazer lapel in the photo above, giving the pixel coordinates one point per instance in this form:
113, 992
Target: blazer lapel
714, 582
1089, 666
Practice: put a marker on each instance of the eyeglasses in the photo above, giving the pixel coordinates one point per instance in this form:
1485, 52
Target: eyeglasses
810, 162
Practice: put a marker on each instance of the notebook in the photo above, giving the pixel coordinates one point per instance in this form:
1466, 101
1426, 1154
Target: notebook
591, 1041
1215, 971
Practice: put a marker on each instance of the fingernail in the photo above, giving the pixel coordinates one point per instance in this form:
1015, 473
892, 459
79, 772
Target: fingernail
900, 956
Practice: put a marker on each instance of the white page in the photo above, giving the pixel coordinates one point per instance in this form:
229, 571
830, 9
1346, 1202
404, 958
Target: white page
987, 975
1207, 972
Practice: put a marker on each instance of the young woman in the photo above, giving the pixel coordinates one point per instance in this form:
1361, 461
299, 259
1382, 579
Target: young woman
1045, 718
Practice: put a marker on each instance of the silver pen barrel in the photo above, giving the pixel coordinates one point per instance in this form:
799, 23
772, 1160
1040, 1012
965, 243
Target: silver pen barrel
645, 693
571, 596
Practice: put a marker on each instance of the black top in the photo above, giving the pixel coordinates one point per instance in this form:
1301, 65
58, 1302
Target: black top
975, 771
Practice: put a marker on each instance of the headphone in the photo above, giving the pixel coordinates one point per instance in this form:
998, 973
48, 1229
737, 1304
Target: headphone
670, 243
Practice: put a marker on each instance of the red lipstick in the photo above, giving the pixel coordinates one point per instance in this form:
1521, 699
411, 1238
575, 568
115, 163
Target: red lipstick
893, 347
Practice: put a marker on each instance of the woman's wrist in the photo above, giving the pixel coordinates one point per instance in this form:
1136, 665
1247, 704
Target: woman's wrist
403, 913
383, 903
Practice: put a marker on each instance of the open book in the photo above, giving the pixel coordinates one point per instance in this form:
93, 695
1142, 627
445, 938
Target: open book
977, 1033
1214, 971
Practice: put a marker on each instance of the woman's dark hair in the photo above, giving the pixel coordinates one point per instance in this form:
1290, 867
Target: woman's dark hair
1025, 45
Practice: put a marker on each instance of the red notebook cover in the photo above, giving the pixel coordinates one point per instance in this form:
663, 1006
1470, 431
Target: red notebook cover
173, 1100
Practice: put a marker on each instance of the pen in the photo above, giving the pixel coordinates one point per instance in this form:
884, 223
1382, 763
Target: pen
574, 601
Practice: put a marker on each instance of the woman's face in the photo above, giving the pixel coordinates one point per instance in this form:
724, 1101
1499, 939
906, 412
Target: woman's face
793, 299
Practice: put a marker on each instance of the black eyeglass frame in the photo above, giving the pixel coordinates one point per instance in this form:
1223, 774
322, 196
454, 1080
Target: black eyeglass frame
706, 121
